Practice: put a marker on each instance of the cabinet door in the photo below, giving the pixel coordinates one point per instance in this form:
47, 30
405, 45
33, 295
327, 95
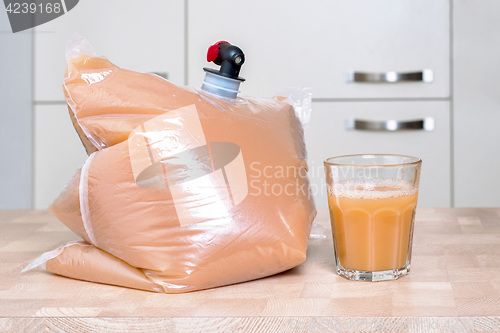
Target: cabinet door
58, 152
327, 136
476, 91
315, 43
144, 36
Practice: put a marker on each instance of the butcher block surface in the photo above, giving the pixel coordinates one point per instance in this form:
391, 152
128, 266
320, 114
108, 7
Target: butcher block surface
453, 286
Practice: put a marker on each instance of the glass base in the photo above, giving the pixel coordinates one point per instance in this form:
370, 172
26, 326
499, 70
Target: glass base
391, 274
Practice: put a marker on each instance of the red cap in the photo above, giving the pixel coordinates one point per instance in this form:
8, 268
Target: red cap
213, 51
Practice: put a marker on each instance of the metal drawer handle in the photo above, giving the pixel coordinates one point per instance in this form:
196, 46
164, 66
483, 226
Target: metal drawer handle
426, 124
426, 75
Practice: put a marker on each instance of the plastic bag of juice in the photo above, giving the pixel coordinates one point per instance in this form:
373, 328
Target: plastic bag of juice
184, 189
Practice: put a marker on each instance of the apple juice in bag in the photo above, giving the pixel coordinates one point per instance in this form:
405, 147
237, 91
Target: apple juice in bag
171, 198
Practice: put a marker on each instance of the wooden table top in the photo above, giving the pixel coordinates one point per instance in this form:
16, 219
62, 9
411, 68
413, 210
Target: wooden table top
454, 286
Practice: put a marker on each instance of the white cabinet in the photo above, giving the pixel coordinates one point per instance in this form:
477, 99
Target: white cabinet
476, 102
144, 36
315, 43
58, 152
327, 136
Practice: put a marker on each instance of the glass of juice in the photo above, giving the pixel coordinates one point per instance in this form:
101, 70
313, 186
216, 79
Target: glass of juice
372, 201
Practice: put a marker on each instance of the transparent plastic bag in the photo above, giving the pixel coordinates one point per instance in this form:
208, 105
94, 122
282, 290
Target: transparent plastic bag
183, 190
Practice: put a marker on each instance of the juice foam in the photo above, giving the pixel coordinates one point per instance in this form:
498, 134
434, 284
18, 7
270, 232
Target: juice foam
366, 188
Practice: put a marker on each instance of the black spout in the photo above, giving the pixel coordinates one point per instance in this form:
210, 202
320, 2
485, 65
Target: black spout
229, 57
225, 81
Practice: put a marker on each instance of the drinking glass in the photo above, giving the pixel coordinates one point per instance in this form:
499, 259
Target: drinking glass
372, 200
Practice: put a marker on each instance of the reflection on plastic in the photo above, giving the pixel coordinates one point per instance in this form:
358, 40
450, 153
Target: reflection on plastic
210, 175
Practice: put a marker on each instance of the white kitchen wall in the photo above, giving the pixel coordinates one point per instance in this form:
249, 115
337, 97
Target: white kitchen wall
16, 117
476, 107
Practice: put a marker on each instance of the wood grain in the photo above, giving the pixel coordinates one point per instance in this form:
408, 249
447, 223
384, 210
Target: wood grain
454, 286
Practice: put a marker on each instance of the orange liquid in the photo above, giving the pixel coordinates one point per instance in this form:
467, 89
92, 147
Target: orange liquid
372, 224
